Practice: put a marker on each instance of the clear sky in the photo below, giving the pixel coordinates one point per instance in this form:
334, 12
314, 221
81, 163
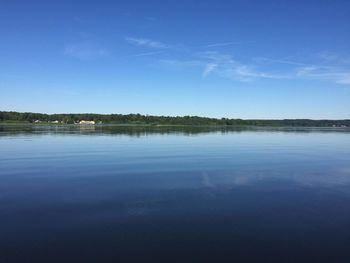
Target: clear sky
236, 59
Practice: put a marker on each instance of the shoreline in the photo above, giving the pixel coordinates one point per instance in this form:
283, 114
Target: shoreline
44, 124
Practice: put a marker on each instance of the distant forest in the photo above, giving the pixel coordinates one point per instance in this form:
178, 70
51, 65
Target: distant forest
70, 118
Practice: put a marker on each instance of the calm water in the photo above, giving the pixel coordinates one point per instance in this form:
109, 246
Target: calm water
109, 194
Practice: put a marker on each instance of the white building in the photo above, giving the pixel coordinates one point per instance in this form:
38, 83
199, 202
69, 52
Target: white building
86, 122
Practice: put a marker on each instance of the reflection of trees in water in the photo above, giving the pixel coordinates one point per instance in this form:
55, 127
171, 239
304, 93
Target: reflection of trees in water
84, 128
139, 131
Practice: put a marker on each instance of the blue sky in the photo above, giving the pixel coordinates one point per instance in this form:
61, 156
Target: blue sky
236, 59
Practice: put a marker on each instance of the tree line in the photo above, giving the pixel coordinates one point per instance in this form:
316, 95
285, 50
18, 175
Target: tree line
70, 118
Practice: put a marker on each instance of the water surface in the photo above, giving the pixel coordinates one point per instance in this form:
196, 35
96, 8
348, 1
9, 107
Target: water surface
128, 194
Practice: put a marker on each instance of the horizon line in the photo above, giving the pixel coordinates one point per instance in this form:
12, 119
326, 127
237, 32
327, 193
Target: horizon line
172, 116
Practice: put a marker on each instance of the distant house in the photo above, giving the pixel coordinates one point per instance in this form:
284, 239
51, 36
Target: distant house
55, 121
37, 121
86, 122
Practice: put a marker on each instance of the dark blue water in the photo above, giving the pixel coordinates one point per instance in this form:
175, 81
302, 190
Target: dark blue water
114, 194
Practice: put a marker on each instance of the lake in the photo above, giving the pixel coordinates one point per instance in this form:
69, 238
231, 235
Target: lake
174, 194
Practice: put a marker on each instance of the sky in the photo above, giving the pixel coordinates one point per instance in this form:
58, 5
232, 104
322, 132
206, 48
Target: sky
234, 59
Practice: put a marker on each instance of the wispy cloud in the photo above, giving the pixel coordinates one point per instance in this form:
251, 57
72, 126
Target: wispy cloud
85, 51
331, 67
328, 56
151, 18
334, 74
210, 67
338, 71
223, 65
226, 66
145, 42
180, 64
223, 44
327, 66
147, 54
250, 73
278, 61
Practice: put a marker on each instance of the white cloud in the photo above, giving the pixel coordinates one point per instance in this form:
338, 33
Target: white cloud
222, 44
328, 56
210, 67
145, 42
181, 64
325, 73
226, 66
85, 51
345, 79
147, 54
222, 65
278, 61
330, 67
